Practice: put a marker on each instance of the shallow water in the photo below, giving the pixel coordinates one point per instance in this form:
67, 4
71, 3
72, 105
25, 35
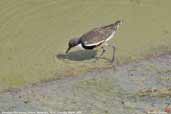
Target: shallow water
33, 32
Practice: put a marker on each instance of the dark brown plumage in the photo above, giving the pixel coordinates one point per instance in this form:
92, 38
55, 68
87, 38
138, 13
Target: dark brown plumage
98, 35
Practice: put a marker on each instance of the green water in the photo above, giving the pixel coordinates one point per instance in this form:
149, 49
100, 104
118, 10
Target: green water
33, 32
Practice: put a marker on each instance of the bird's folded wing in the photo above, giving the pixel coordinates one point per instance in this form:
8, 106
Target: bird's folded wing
95, 37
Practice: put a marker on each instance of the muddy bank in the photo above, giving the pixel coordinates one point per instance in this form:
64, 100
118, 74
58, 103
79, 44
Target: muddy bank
134, 88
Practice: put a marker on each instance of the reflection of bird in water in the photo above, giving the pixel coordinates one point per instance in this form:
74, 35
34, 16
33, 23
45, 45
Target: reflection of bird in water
96, 37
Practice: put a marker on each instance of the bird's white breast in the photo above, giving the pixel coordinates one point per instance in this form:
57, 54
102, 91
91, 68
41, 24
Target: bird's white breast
80, 46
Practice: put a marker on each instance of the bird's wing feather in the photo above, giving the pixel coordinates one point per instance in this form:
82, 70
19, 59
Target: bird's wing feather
111, 27
96, 36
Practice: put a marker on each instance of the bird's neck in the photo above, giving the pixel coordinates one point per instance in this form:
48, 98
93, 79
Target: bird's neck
77, 41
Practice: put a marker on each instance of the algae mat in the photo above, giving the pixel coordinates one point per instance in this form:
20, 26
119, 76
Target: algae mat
33, 32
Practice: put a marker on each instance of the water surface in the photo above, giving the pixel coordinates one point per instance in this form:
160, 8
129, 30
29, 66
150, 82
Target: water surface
33, 32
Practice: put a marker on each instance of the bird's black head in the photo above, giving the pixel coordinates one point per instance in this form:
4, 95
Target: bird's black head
72, 43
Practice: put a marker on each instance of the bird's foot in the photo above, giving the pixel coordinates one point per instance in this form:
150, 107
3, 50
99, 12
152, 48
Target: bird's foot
114, 62
114, 65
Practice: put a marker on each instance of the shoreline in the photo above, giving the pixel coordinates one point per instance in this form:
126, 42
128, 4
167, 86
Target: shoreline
148, 57
135, 87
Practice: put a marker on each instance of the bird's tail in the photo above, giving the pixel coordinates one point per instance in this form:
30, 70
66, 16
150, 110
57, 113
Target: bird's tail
109, 26
113, 25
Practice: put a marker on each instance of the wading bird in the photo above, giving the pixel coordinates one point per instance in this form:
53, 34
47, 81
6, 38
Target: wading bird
96, 37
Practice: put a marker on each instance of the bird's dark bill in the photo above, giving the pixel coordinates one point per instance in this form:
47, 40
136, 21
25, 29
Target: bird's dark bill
67, 50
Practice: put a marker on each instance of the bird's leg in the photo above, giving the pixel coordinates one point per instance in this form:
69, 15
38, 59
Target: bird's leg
114, 49
113, 57
101, 54
103, 51
113, 61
